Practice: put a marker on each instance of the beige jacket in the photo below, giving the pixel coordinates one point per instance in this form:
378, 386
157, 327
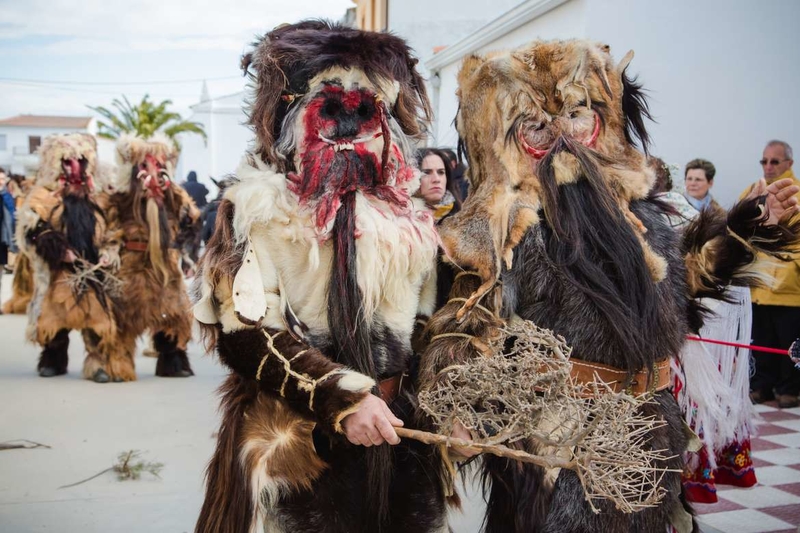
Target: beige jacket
785, 287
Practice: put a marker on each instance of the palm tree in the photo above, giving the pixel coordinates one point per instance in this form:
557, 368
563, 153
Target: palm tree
143, 119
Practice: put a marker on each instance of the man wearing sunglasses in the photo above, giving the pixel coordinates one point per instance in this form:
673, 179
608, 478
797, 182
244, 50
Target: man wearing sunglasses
776, 308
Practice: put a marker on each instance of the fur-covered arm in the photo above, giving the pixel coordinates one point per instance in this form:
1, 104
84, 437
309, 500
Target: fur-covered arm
309, 381
450, 341
49, 244
720, 249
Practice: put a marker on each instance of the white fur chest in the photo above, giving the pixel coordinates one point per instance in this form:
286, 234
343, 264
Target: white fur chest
286, 259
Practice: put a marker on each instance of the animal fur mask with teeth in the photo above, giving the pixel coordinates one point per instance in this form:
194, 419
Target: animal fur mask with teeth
333, 108
68, 163
151, 162
532, 120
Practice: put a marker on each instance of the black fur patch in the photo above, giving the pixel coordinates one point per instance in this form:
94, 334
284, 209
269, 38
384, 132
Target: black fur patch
592, 248
635, 109
79, 219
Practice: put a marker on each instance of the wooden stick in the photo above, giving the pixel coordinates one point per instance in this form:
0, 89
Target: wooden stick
494, 449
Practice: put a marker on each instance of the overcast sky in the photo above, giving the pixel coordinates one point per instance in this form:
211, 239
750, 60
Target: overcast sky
70, 44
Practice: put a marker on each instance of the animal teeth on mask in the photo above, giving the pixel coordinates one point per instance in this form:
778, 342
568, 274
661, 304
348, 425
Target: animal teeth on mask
349, 145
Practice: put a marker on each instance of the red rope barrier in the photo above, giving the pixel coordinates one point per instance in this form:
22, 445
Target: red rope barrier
737, 345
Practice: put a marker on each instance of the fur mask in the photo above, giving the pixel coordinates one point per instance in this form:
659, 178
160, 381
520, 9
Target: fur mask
68, 163
150, 161
333, 109
529, 119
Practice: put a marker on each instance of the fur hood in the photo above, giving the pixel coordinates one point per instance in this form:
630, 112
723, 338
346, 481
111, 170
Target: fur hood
284, 65
56, 148
132, 150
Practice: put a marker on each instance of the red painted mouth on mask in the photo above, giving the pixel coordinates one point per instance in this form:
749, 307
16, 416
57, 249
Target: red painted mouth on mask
539, 153
338, 155
74, 179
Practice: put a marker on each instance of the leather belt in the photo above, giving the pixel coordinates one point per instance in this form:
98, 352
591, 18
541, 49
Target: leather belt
651, 380
390, 387
136, 246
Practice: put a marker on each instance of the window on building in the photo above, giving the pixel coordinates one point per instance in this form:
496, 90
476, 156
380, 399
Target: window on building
33, 143
3, 141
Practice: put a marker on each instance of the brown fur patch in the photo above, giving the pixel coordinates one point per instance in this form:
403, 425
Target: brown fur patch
21, 287
273, 435
530, 97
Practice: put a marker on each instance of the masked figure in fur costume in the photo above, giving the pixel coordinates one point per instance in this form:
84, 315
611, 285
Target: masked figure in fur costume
62, 231
148, 212
310, 286
559, 229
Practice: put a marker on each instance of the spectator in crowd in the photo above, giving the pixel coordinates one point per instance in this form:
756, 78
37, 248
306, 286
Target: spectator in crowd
699, 178
437, 186
776, 309
209, 216
7, 210
442, 196
457, 169
196, 190
682, 211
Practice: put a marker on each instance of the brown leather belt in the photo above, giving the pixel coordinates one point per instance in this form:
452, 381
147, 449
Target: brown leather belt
390, 387
644, 381
136, 246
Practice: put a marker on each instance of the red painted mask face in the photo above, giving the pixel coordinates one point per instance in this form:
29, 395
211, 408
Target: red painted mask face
74, 179
153, 177
347, 146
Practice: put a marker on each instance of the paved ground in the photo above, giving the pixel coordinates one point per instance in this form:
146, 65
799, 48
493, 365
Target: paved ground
87, 425
172, 421
773, 505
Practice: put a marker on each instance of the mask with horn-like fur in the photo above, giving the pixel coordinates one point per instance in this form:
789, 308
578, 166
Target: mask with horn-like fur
531, 120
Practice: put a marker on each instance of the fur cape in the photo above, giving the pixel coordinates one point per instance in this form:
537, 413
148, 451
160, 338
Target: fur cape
319, 265
50, 221
559, 229
145, 222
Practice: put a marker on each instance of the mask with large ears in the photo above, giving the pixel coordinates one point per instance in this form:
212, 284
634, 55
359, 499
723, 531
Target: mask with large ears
532, 120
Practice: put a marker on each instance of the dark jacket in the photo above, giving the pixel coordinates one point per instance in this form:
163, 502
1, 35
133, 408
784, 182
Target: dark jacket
196, 190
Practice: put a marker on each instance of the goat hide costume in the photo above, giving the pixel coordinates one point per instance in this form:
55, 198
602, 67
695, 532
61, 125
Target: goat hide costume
148, 211
320, 262
559, 229
61, 229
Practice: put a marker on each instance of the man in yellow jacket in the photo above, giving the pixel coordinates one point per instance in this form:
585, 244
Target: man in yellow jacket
776, 308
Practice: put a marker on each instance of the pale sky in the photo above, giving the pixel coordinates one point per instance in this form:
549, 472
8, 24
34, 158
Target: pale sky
58, 56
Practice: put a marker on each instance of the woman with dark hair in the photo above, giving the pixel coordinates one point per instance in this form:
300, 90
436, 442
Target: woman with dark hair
441, 194
437, 186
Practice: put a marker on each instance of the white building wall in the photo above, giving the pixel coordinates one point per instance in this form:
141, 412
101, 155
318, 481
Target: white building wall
16, 158
722, 75
228, 138
723, 78
426, 24
561, 22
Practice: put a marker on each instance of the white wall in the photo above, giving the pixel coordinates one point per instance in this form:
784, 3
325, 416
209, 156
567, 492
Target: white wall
426, 24
228, 138
562, 22
723, 78
17, 137
723, 75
